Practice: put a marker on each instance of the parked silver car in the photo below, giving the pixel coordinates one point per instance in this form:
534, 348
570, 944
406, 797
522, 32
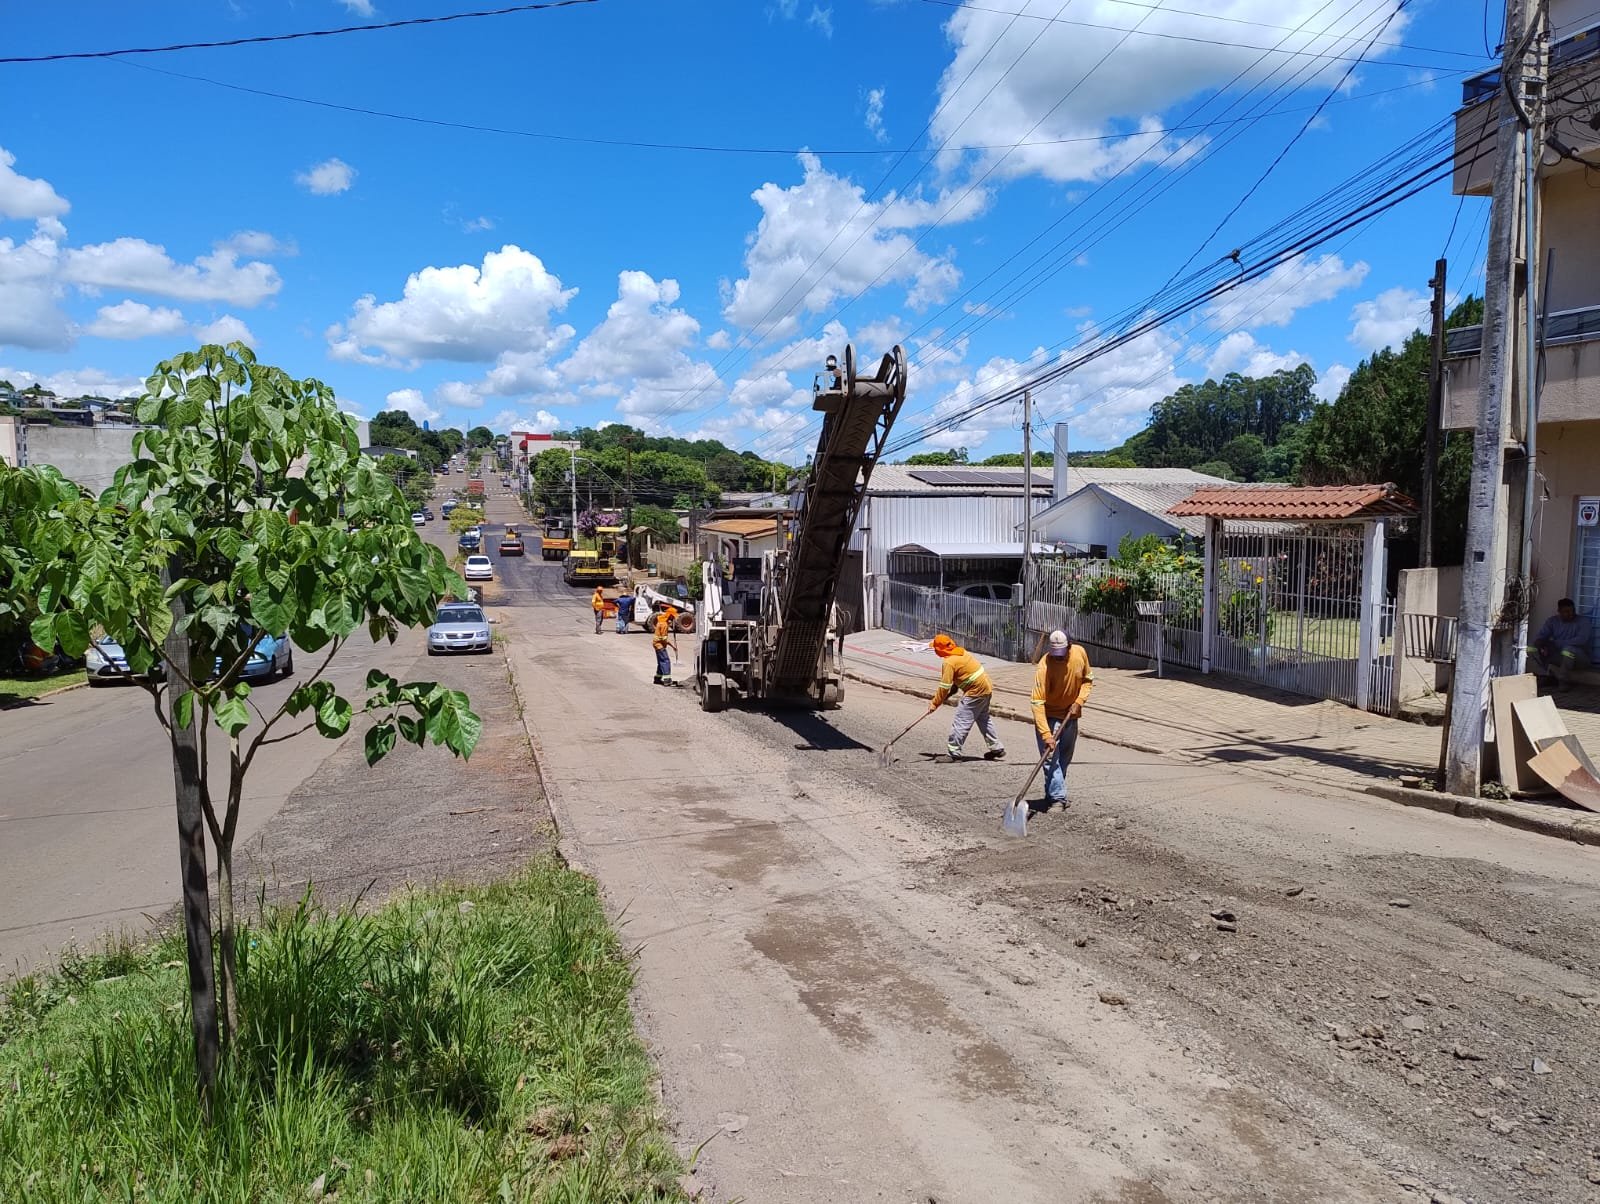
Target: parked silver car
459, 627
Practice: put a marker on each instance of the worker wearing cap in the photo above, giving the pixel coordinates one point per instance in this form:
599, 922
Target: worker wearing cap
964, 675
599, 604
661, 642
1061, 685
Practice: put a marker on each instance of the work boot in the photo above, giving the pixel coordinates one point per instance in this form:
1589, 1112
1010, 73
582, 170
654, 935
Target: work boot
995, 754
954, 750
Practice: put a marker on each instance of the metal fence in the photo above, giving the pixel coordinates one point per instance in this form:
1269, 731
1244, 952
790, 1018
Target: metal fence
1288, 603
980, 624
1289, 612
1096, 603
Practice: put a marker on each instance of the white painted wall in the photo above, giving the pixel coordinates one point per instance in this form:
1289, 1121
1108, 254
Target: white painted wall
1091, 518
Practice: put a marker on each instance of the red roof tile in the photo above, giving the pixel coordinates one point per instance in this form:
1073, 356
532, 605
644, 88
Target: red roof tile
1295, 503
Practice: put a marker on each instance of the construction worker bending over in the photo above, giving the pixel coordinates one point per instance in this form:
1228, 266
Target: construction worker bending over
1061, 685
661, 642
965, 676
599, 604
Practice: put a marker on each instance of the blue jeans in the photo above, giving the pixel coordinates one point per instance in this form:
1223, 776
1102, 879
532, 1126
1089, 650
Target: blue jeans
622, 624
1055, 769
663, 664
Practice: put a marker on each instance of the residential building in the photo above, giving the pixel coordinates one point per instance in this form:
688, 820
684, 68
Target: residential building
1100, 507
730, 538
1566, 558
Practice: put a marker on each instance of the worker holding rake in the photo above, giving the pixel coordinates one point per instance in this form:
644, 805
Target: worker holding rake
964, 675
1061, 685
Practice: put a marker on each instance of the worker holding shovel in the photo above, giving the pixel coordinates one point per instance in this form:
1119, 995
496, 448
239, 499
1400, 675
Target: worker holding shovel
1061, 685
964, 675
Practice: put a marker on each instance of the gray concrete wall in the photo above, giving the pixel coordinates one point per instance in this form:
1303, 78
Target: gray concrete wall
90, 456
1435, 591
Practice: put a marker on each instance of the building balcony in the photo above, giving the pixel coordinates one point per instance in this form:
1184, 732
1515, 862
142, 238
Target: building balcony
1574, 114
1571, 390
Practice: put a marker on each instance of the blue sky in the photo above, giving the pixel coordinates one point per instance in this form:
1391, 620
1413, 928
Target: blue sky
527, 282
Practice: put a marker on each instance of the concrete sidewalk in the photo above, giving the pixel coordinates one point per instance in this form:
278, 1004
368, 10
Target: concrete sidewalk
1312, 741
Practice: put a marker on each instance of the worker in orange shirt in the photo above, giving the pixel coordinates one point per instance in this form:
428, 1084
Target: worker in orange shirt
599, 604
1061, 685
964, 675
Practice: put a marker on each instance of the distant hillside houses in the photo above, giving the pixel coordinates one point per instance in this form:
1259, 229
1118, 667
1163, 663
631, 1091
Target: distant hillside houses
36, 404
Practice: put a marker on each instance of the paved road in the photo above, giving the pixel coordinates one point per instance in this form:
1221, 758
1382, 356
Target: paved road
861, 990
88, 843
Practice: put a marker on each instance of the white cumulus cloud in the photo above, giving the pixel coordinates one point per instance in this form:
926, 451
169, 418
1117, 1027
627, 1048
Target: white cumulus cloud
1331, 382
1039, 80
134, 320
465, 313
875, 115
821, 240
76, 382
413, 403
226, 329
258, 243
328, 178
1273, 299
25, 198
1240, 353
361, 8
1388, 319
136, 266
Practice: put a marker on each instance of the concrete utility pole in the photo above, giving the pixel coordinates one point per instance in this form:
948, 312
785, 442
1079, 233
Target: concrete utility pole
1430, 436
1027, 497
572, 452
1483, 573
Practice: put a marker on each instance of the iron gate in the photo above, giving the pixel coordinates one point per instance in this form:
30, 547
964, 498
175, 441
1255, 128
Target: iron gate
1289, 611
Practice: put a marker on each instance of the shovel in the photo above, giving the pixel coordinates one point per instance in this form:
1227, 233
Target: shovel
885, 757
1015, 819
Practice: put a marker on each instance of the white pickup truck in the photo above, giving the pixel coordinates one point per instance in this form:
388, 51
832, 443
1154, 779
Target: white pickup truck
653, 597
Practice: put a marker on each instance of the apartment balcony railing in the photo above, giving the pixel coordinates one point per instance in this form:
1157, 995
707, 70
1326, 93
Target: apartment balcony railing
1567, 326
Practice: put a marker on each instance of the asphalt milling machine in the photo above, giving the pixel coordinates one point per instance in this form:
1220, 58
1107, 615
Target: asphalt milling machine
770, 629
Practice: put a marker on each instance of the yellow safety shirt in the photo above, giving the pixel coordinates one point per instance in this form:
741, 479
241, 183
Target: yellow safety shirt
962, 672
1059, 683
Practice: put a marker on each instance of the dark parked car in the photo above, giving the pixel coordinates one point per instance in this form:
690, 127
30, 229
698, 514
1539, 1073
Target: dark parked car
469, 542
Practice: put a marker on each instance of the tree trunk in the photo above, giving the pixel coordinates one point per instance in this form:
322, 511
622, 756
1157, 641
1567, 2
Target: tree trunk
186, 770
228, 965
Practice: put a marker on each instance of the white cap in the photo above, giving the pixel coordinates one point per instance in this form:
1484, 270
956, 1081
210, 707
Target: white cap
1059, 643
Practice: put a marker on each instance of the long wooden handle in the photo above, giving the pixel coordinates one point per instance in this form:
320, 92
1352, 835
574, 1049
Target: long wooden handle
1045, 756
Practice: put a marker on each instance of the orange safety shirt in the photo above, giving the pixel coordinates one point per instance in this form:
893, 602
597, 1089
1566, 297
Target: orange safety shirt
598, 602
1059, 683
962, 671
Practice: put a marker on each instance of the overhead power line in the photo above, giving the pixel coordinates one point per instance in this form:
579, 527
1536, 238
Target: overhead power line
262, 39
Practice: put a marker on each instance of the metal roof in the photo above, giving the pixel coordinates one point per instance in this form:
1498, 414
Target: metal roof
981, 477
908, 478
1265, 503
745, 527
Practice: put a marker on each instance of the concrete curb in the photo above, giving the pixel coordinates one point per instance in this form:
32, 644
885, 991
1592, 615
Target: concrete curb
22, 702
567, 846
1581, 828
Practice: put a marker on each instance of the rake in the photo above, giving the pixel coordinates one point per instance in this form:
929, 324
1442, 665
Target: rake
1015, 819
885, 756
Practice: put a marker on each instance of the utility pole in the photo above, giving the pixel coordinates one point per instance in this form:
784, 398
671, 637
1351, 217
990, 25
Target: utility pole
1480, 627
627, 451
573, 453
1027, 498
1430, 436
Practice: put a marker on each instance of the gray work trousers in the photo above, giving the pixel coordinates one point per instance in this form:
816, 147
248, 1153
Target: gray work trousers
974, 711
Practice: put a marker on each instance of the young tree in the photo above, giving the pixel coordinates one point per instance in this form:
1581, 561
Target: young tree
248, 511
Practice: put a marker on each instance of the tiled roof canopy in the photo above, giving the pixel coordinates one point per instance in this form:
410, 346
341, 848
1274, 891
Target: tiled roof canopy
1296, 503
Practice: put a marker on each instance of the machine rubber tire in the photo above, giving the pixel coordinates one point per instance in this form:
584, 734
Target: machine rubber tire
288, 665
713, 698
683, 624
832, 695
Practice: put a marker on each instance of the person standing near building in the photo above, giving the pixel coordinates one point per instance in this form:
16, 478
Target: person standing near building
661, 642
624, 613
1562, 644
599, 604
964, 675
1061, 685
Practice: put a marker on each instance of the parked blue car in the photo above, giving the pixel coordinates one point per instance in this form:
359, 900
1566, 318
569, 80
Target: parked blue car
273, 657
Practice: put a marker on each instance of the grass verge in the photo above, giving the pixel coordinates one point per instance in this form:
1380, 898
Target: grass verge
466, 1044
22, 689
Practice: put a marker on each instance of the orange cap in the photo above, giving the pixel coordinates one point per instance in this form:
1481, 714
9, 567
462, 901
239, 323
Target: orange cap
943, 645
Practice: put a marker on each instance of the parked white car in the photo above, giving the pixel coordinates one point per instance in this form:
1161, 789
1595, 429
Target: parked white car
418, 518
478, 568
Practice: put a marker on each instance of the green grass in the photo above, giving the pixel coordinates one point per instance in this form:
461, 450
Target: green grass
21, 689
461, 1045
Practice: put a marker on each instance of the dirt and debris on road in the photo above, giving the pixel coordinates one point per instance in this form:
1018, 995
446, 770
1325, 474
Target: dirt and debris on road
1195, 984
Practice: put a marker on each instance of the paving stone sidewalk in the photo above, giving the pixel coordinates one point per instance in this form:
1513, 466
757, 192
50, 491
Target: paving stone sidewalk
1313, 742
